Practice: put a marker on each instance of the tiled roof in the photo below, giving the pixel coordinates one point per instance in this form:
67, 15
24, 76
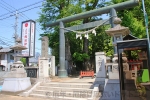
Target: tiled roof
19, 47
6, 49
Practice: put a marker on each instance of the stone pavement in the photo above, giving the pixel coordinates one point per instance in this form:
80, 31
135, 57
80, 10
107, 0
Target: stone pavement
82, 80
73, 79
10, 97
14, 96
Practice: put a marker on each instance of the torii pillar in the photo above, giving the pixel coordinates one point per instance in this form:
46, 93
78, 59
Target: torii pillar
62, 70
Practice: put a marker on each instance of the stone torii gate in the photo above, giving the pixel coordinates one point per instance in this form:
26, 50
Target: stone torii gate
109, 9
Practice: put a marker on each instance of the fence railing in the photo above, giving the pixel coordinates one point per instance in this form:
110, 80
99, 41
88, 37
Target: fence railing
86, 74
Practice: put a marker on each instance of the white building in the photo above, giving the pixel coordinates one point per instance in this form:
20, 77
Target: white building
33, 61
6, 58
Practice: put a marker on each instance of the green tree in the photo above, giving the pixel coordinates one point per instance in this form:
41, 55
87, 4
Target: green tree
134, 18
77, 50
23, 60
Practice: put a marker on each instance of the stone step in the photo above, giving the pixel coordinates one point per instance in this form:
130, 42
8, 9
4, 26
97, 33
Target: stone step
56, 97
74, 94
68, 85
63, 89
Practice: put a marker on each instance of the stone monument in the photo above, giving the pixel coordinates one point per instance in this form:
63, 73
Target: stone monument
44, 45
46, 62
44, 59
100, 67
99, 56
16, 80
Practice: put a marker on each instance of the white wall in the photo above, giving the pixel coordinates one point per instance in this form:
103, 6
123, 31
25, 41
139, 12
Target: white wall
6, 61
9, 61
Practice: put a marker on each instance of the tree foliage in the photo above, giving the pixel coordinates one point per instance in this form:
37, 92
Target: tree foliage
134, 18
76, 50
23, 60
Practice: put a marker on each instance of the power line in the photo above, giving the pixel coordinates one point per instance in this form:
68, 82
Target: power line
30, 9
4, 43
13, 8
23, 16
20, 12
5, 5
6, 39
20, 8
5, 8
16, 10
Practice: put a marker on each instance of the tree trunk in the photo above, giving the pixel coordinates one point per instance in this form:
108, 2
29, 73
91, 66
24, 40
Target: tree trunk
85, 48
69, 62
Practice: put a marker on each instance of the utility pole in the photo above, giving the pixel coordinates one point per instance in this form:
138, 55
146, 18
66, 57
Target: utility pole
146, 21
146, 25
16, 26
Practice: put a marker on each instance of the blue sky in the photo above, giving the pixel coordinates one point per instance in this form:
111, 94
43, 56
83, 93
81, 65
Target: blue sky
6, 25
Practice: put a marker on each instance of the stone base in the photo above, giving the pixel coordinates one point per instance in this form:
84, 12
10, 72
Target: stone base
62, 73
113, 75
16, 84
15, 75
111, 90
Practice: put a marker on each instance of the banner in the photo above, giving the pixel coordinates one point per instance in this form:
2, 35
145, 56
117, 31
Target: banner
28, 38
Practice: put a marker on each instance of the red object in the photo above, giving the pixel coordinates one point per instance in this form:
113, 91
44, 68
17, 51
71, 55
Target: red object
132, 67
26, 24
86, 73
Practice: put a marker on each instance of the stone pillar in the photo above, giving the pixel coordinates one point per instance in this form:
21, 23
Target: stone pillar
43, 67
62, 71
44, 45
114, 74
44, 59
100, 59
52, 65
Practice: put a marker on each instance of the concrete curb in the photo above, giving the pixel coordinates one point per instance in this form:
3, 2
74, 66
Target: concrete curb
27, 93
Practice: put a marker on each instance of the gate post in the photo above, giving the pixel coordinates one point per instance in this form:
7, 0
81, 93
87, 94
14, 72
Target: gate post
62, 71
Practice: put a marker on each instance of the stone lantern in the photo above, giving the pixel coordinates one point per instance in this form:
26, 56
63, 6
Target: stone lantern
16, 80
117, 33
18, 47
